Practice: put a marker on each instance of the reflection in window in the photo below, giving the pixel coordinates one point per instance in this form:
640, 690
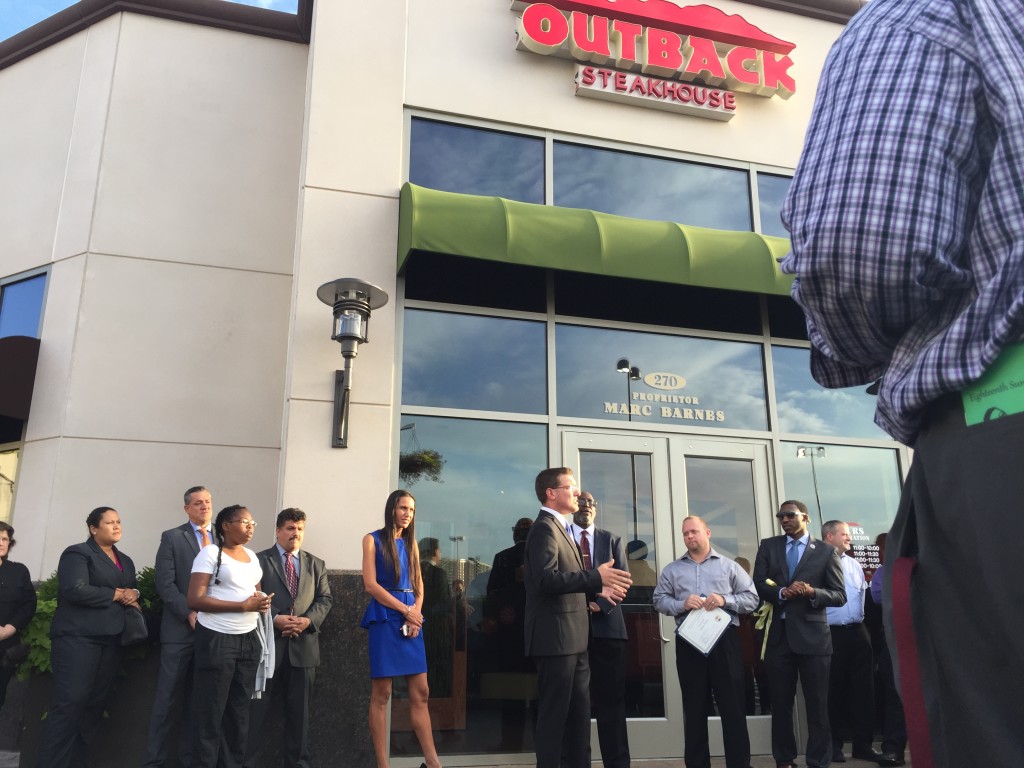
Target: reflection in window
475, 161
623, 487
771, 191
8, 471
21, 306
479, 363
481, 676
684, 381
858, 486
807, 408
651, 187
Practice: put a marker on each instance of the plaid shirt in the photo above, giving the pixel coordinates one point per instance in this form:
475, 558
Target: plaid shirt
907, 208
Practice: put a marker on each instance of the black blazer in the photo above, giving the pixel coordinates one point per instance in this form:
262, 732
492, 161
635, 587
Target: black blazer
806, 624
313, 601
87, 579
557, 622
174, 557
609, 623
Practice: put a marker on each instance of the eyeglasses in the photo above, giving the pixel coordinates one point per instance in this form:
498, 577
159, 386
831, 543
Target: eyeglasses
571, 486
787, 515
246, 523
587, 503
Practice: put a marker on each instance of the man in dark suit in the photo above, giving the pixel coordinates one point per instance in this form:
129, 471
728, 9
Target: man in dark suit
557, 622
800, 577
607, 650
178, 548
302, 600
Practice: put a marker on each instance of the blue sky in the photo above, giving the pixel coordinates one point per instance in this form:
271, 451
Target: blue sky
16, 15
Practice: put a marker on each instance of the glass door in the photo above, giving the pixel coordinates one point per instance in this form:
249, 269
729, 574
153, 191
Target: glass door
645, 486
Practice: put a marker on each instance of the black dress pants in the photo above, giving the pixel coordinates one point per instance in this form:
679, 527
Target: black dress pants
721, 672
225, 680
562, 734
84, 669
958, 516
851, 687
608, 699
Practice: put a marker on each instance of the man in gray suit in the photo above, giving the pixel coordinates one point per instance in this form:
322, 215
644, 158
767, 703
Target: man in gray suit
178, 548
801, 577
607, 650
557, 623
302, 600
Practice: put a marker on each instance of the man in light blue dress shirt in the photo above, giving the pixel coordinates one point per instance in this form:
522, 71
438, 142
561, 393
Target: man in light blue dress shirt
851, 689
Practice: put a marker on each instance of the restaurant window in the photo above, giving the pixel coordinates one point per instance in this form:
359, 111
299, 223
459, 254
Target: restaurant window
683, 381
649, 303
807, 408
771, 192
468, 505
476, 161
655, 188
483, 363
855, 485
21, 306
8, 471
479, 283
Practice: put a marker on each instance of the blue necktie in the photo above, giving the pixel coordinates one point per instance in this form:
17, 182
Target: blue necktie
793, 557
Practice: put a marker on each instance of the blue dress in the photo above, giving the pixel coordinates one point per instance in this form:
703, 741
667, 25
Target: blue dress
391, 653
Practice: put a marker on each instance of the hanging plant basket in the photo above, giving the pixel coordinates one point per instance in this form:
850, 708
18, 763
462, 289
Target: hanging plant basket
420, 465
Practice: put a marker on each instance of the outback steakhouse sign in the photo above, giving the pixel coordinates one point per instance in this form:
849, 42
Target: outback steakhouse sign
710, 51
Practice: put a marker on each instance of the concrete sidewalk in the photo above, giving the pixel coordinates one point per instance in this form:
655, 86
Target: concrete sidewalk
758, 761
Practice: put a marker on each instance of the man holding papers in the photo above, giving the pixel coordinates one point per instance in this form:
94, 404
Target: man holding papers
704, 580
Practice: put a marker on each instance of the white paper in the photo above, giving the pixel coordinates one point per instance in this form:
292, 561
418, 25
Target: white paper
702, 628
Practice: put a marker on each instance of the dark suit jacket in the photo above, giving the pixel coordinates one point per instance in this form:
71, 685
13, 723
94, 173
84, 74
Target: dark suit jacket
557, 622
313, 601
806, 625
174, 557
609, 622
87, 579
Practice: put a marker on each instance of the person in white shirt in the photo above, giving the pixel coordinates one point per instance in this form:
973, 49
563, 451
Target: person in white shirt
851, 690
225, 590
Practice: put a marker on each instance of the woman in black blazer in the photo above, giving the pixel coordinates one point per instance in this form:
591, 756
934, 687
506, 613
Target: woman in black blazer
17, 607
97, 584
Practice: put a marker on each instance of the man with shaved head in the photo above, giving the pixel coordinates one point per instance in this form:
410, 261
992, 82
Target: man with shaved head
702, 580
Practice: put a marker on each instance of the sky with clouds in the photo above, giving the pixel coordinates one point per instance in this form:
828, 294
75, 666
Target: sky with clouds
16, 15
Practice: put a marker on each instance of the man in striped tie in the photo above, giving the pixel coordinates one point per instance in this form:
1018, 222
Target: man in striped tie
607, 648
172, 704
302, 599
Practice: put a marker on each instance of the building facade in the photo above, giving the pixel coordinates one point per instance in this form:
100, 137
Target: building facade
573, 208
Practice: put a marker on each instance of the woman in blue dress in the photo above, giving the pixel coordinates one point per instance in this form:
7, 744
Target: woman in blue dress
394, 617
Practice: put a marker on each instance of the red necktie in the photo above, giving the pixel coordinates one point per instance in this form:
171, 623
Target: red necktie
585, 550
291, 578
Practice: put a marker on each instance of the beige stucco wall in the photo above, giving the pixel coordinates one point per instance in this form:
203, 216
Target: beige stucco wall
192, 187
454, 58
157, 168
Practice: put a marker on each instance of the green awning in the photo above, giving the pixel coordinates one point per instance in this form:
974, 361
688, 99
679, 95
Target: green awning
579, 240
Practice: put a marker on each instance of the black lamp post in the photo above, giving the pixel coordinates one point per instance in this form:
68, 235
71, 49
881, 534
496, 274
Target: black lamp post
632, 374
352, 301
813, 452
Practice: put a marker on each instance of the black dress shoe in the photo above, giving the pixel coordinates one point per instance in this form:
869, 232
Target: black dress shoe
838, 756
890, 758
871, 754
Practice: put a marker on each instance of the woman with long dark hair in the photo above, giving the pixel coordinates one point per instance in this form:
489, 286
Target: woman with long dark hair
225, 590
17, 607
96, 584
394, 617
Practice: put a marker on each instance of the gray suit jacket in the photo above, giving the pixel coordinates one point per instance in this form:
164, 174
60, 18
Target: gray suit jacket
557, 622
806, 625
609, 622
313, 601
174, 557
